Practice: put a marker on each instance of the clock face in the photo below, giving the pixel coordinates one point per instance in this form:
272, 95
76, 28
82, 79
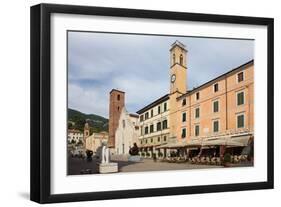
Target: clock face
173, 78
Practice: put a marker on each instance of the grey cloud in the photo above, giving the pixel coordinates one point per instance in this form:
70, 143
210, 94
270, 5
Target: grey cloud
139, 65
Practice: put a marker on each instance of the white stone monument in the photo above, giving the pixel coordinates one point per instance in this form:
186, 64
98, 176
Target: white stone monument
106, 166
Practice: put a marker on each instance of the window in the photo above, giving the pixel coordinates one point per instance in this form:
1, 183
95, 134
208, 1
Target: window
158, 126
240, 77
141, 130
240, 98
141, 141
174, 58
240, 121
141, 118
165, 106
118, 97
146, 141
197, 129
159, 109
197, 112
151, 128
146, 116
184, 117
158, 139
183, 133
216, 87
151, 113
146, 130
216, 126
197, 96
151, 140
165, 138
216, 106
165, 124
181, 59
183, 102
118, 108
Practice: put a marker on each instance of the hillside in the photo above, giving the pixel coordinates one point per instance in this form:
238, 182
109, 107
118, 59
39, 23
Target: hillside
77, 120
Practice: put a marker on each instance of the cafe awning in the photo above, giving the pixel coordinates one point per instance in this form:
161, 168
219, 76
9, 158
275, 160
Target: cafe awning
171, 146
238, 140
190, 144
243, 139
226, 142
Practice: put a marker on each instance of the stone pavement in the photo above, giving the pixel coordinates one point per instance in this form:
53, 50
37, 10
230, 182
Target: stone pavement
76, 166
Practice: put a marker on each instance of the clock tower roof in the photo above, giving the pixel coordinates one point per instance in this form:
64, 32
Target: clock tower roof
179, 44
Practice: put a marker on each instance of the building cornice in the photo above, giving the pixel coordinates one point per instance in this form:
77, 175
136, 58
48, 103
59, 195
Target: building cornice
151, 105
241, 67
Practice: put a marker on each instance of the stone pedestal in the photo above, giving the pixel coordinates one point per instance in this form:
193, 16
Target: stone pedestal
110, 167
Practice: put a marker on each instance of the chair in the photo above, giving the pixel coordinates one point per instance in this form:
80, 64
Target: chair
208, 160
203, 160
213, 161
218, 161
235, 159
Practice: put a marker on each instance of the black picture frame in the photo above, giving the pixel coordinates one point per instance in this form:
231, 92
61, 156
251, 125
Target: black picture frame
41, 99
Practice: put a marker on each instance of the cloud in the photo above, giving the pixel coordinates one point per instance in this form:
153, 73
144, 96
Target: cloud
88, 101
139, 65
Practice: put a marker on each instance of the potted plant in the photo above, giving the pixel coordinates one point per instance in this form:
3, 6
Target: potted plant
227, 160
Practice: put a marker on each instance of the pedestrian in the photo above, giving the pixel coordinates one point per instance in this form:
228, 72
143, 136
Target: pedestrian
154, 157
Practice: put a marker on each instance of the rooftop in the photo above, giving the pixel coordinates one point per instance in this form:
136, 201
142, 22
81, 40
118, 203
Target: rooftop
116, 91
134, 115
178, 43
158, 101
251, 62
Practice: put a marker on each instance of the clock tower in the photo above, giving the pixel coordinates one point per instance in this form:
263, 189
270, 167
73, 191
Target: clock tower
178, 68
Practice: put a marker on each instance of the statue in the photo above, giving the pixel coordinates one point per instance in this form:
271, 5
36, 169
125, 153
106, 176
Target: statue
134, 150
106, 166
105, 154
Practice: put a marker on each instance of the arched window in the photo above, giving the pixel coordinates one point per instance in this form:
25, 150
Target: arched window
181, 60
174, 58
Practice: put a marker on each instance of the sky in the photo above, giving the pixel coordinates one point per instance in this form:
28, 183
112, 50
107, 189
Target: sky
139, 66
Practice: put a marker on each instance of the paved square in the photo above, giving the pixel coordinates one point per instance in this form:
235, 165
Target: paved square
78, 166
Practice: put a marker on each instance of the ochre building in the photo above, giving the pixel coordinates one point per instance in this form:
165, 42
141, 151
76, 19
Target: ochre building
218, 111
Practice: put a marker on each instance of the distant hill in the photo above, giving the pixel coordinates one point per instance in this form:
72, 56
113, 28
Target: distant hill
77, 120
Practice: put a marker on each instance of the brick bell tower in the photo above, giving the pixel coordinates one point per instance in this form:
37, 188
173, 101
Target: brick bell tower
116, 103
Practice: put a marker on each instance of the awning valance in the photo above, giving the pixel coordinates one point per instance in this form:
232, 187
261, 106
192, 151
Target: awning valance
239, 140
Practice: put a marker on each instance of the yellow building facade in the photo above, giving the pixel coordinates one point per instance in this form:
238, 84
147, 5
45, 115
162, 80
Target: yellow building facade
220, 108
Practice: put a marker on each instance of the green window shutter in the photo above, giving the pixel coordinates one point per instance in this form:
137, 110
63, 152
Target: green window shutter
183, 134
158, 126
165, 124
151, 128
240, 97
183, 117
197, 113
197, 130
216, 126
216, 106
240, 121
